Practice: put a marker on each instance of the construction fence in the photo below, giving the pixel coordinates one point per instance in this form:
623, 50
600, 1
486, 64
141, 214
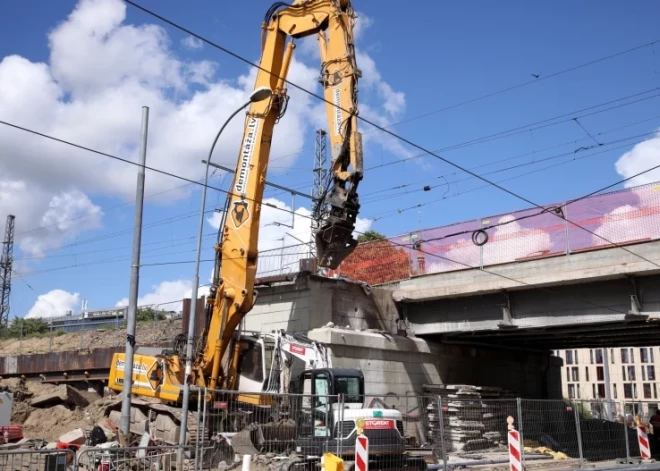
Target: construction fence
627, 216
456, 431
415, 431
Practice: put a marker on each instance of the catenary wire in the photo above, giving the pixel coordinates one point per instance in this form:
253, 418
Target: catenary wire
505, 169
518, 156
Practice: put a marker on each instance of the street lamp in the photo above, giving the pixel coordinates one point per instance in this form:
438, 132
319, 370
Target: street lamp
260, 94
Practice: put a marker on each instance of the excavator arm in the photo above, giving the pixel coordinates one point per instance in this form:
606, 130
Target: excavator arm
232, 295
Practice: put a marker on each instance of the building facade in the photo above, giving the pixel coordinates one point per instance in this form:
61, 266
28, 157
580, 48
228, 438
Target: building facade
633, 373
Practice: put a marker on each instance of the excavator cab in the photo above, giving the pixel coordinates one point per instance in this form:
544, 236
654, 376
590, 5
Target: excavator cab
322, 419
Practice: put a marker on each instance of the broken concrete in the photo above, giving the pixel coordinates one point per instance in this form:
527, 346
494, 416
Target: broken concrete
64, 395
74, 437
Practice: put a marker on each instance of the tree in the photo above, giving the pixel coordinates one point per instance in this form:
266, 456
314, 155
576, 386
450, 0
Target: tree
26, 328
370, 236
149, 314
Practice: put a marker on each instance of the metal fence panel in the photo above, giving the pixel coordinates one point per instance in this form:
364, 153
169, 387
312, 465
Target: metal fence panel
474, 425
36, 460
286, 423
155, 458
551, 424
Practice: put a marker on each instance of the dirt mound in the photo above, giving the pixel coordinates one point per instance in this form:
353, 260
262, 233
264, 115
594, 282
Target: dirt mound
111, 336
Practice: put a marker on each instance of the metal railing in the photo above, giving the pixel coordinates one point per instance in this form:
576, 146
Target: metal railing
37, 460
161, 458
626, 216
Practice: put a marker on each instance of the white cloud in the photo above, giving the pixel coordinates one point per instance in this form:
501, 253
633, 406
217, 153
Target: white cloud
100, 72
643, 156
191, 42
363, 23
167, 295
53, 304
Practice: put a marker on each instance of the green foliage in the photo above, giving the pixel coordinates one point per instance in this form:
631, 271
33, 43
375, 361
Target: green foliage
370, 235
26, 328
148, 314
59, 333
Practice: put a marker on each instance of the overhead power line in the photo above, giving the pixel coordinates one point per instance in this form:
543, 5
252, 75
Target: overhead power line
323, 99
513, 167
127, 161
361, 118
420, 205
518, 156
509, 88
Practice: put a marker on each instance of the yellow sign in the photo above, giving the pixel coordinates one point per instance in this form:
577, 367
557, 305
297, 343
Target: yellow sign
359, 423
155, 375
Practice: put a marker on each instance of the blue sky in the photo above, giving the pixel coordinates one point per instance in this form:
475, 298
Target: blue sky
85, 79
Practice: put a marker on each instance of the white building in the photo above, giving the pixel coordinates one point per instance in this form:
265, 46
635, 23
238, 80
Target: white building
633, 375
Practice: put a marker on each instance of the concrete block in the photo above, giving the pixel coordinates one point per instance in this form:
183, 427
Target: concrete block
64, 395
76, 437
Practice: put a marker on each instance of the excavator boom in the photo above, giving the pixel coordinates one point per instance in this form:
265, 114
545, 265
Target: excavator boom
232, 293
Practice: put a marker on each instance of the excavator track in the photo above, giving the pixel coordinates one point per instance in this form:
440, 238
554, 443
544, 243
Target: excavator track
163, 422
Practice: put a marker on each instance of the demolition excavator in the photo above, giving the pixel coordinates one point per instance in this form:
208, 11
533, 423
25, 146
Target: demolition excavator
232, 294
246, 365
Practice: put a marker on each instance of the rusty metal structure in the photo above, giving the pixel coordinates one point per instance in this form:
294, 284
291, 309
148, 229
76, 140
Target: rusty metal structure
6, 262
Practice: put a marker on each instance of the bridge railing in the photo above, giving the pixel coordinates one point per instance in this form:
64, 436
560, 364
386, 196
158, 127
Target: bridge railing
626, 216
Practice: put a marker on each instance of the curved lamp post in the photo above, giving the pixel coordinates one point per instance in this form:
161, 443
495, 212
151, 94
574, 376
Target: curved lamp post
260, 94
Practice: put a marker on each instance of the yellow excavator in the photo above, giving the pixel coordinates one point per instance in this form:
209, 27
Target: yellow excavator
220, 351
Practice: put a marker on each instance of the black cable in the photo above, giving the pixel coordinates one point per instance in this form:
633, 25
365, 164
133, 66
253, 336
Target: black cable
534, 152
505, 169
541, 288
510, 88
153, 169
387, 131
544, 123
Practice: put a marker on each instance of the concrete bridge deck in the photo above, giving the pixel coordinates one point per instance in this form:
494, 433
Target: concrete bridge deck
602, 297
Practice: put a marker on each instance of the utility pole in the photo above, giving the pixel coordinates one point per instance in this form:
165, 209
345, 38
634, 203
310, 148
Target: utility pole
125, 421
6, 262
320, 184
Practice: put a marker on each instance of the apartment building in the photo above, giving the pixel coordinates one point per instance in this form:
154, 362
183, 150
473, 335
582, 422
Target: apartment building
633, 375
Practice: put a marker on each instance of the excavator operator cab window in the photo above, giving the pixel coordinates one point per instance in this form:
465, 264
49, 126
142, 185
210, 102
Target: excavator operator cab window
321, 390
350, 388
252, 363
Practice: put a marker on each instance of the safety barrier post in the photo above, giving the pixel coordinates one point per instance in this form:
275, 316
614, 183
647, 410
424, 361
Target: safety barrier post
643, 440
199, 422
514, 440
520, 431
443, 445
361, 448
625, 430
578, 430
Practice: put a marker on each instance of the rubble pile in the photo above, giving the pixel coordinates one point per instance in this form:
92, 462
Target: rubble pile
473, 416
104, 337
47, 411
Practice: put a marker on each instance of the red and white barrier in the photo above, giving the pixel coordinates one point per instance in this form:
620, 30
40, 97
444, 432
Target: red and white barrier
362, 453
514, 451
643, 440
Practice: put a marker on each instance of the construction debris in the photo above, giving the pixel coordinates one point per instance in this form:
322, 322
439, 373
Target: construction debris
64, 394
471, 420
